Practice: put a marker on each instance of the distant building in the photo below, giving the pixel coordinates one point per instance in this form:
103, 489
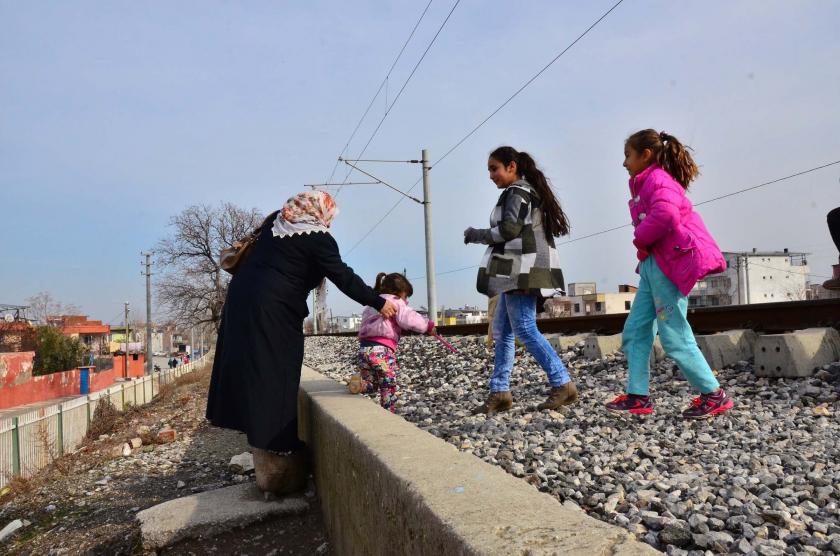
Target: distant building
347, 324
92, 333
603, 303
816, 291
576, 289
754, 277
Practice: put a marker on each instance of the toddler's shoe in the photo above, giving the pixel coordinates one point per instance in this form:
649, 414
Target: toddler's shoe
705, 406
631, 403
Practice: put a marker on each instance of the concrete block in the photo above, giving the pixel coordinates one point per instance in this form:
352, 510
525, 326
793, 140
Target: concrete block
420, 495
796, 354
600, 346
727, 348
597, 347
210, 513
562, 343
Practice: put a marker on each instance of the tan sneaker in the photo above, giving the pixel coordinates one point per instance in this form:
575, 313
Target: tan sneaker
560, 396
496, 401
356, 384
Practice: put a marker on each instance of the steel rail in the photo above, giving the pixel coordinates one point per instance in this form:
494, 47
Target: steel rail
769, 318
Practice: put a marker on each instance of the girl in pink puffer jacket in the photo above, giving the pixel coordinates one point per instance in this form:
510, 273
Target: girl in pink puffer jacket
378, 339
675, 250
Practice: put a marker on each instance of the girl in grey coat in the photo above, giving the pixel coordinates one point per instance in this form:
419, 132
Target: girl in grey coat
522, 267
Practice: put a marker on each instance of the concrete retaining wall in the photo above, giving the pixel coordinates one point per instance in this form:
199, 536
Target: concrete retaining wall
387, 487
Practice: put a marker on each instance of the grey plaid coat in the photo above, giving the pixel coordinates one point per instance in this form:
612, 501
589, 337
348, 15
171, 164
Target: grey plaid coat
518, 256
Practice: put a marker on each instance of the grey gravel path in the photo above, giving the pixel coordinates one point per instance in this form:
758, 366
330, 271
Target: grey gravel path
764, 479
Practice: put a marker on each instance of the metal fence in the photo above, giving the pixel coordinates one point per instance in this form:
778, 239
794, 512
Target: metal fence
31, 441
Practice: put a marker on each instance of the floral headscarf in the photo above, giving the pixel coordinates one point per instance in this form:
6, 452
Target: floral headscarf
306, 212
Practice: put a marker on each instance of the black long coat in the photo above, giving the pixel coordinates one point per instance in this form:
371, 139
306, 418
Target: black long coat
259, 352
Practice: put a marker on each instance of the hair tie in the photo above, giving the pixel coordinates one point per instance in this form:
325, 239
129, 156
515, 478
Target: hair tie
662, 136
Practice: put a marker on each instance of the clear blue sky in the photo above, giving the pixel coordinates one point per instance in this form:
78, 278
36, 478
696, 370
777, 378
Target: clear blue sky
116, 115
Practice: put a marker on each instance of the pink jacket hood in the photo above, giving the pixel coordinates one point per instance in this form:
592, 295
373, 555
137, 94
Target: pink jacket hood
668, 228
388, 331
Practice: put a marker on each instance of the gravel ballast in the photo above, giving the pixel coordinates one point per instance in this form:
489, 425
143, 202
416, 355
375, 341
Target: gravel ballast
762, 479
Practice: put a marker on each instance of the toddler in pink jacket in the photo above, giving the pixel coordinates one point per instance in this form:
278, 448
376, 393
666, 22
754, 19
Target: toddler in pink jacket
378, 339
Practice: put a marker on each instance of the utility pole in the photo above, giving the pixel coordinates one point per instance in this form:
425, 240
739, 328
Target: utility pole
431, 290
148, 275
192, 343
430, 259
125, 367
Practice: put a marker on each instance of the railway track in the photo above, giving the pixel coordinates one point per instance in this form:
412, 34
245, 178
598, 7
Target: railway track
769, 318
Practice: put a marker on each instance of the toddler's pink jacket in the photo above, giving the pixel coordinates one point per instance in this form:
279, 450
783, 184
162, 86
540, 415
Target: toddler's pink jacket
376, 328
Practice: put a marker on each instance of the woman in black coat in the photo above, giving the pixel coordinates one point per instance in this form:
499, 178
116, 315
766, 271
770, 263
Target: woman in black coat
259, 352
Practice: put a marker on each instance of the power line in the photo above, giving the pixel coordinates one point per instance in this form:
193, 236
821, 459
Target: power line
527, 83
713, 199
405, 84
379, 90
476, 128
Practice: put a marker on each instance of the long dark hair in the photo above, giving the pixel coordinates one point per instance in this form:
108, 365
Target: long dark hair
394, 283
673, 156
555, 221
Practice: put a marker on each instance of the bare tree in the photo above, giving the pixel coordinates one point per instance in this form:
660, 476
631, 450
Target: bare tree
43, 305
191, 285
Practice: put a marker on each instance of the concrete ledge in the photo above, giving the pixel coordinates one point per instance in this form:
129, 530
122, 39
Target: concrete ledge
387, 487
727, 348
796, 354
210, 513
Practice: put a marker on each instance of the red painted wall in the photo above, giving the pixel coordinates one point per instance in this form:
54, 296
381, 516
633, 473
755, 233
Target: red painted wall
19, 387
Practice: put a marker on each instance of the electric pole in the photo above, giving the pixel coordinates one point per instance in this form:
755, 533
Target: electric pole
431, 290
148, 275
125, 367
430, 259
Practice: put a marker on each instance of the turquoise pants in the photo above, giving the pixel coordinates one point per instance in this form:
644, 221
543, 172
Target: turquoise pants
659, 304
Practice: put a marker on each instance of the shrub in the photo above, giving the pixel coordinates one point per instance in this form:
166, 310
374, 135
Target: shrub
55, 352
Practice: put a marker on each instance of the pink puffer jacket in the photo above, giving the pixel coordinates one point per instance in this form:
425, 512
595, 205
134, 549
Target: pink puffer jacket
384, 331
667, 227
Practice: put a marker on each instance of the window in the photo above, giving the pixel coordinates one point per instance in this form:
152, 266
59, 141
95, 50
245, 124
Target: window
598, 306
626, 305
577, 307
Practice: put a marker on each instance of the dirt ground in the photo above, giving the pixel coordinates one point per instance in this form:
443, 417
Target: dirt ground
86, 502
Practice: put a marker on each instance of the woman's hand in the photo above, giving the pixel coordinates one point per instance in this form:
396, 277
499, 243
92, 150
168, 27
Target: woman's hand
388, 310
432, 331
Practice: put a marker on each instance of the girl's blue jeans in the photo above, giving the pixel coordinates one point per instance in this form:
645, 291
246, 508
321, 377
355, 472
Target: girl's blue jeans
516, 317
660, 305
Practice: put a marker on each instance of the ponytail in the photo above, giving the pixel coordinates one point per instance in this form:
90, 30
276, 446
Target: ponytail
394, 283
378, 284
555, 221
674, 157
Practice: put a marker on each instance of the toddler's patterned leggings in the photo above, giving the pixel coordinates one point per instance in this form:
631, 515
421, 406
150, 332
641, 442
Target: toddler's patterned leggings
378, 367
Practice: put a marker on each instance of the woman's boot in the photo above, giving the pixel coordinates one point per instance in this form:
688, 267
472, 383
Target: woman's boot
280, 474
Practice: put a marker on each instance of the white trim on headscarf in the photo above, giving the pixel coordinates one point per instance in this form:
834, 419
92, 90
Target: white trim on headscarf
284, 228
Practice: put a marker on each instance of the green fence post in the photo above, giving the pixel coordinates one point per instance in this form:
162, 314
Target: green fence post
122, 395
15, 447
60, 430
87, 406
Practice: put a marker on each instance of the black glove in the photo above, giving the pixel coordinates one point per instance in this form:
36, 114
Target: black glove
472, 235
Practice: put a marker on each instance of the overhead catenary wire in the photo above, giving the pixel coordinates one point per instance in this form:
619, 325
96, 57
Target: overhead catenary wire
402, 89
379, 90
707, 201
496, 111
